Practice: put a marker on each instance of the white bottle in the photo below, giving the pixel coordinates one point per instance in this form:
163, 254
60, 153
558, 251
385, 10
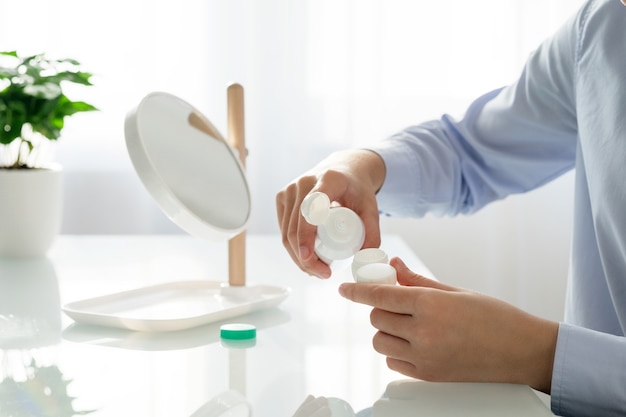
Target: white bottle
368, 256
376, 273
340, 231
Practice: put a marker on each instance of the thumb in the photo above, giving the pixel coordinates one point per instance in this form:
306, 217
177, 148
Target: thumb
409, 278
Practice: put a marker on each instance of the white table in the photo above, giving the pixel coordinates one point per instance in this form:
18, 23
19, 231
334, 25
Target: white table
315, 342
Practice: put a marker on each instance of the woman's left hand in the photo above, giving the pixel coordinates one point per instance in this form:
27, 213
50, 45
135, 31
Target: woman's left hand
435, 332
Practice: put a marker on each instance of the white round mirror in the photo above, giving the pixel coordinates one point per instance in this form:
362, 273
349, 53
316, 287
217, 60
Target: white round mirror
188, 167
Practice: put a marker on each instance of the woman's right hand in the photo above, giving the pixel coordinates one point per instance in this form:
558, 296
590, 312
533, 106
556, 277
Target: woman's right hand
349, 178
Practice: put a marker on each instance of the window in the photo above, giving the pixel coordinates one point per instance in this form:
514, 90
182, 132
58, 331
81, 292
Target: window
319, 75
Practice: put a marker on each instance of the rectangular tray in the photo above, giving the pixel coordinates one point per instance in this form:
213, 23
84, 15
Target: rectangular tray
174, 306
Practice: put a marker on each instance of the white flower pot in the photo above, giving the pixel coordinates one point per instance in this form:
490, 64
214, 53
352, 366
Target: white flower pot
30, 211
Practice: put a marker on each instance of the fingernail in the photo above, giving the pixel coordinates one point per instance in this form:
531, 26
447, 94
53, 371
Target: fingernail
305, 253
342, 290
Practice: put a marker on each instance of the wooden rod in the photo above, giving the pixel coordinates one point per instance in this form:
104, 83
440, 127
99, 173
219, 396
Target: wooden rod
236, 138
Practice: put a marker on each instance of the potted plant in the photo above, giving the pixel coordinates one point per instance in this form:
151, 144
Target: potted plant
33, 108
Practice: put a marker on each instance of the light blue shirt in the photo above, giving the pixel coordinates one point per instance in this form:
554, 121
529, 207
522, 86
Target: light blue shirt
566, 111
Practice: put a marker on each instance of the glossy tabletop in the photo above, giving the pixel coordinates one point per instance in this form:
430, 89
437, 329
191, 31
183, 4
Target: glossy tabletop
313, 343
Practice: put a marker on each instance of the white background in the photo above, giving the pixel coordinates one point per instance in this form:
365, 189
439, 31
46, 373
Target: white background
319, 75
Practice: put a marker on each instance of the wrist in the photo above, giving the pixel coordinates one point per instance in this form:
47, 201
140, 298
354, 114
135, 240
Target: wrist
368, 164
362, 163
544, 348
377, 170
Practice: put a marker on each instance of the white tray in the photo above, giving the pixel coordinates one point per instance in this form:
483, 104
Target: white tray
174, 306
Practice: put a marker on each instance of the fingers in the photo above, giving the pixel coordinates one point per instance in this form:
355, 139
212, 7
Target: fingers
402, 299
390, 339
403, 367
371, 220
409, 278
391, 298
397, 351
298, 236
340, 190
350, 179
393, 324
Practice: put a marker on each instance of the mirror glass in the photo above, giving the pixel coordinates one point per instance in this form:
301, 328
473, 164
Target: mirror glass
188, 167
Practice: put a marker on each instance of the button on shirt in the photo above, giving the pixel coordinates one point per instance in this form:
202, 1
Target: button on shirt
566, 111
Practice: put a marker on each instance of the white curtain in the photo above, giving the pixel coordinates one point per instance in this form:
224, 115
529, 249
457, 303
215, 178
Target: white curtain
319, 75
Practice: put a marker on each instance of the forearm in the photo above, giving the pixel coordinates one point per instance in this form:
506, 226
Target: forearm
362, 163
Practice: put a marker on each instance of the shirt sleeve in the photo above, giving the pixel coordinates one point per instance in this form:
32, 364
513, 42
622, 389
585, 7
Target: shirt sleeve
510, 140
588, 377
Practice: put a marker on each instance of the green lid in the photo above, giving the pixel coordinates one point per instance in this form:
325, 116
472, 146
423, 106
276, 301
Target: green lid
237, 331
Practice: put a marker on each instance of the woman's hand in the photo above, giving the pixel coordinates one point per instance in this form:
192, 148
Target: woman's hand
435, 332
350, 179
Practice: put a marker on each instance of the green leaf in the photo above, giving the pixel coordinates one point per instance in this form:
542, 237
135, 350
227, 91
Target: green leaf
77, 106
8, 73
12, 118
69, 61
50, 128
48, 91
73, 77
34, 95
9, 132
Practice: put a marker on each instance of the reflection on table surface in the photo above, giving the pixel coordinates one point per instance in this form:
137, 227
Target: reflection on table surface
409, 397
314, 345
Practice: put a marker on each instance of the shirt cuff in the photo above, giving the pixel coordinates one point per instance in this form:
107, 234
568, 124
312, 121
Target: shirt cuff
589, 373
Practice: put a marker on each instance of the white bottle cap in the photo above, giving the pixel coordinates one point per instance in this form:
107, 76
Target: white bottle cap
341, 235
340, 231
315, 208
377, 273
368, 256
